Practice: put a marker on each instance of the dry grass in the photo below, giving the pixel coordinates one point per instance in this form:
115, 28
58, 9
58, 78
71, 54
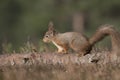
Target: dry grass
65, 72
88, 71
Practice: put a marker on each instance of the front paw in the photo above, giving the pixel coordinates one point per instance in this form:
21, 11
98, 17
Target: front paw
62, 52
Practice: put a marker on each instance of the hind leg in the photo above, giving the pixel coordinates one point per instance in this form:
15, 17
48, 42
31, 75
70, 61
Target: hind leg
85, 50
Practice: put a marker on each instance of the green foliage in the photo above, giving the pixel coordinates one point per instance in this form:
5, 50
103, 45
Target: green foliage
22, 18
7, 48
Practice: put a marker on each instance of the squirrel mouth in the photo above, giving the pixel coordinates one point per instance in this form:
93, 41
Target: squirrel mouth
46, 41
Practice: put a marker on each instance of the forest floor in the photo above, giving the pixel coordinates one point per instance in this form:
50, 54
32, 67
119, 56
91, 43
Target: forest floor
48, 66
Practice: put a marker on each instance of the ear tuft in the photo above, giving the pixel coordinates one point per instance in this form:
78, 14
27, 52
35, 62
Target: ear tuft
50, 25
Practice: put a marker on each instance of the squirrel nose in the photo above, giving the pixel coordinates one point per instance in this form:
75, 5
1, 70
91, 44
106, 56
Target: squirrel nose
44, 40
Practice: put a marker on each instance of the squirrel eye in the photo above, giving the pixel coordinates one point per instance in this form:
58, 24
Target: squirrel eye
46, 36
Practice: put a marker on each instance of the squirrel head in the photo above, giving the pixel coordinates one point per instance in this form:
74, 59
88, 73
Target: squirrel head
50, 34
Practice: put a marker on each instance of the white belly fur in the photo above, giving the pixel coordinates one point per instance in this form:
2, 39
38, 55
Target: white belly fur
60, 49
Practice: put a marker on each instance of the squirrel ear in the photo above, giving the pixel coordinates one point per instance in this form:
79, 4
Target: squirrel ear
50, 25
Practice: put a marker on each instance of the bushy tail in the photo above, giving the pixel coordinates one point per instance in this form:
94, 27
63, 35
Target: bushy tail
107, 30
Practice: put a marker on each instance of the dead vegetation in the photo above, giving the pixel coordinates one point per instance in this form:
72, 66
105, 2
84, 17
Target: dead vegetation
48, 65
100, 65
57, 72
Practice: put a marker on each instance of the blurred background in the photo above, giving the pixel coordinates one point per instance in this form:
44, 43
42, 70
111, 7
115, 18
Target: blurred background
25, 21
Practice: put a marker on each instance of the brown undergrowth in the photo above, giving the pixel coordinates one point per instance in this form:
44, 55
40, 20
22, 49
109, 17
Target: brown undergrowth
70, 71
57, 72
